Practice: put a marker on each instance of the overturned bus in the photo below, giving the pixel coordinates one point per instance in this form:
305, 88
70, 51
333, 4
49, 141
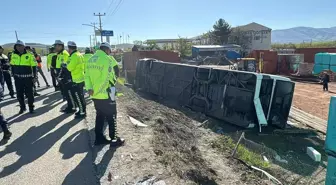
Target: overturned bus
241, 98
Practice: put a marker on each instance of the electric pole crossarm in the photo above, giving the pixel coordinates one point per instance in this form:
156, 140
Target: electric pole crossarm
100, 24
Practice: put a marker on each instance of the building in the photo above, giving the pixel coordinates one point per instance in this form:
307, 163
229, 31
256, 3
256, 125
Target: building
259, 35
170, 43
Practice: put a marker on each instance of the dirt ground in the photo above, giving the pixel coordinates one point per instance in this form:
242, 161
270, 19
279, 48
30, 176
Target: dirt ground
311, 98
178, 147
174, 148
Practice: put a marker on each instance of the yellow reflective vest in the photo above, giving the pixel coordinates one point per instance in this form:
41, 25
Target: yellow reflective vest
62, 57
86, 58
76, 67
23, 65
49, 58
99, 75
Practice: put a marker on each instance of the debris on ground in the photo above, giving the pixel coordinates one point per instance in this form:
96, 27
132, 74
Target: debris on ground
314, 154
136, 122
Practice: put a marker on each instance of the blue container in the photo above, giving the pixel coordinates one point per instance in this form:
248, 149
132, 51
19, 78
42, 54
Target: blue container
318, 68
331, 171
333, 59
330, 144
326, 59
319, 58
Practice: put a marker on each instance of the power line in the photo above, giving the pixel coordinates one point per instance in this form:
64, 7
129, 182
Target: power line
117, 7
109, 8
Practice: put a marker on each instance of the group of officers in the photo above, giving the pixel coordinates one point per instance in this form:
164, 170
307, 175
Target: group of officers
71, 72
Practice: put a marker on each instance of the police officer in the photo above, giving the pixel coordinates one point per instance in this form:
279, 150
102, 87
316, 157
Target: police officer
39, 68
51, 59
88, 54
24, 72
29, 49
7, 77
76, 68
99, 81
4, 127
62, 57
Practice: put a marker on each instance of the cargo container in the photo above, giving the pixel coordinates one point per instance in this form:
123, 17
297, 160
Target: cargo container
130, 59
288, 64
266, 60
324, 61
309, 53
242, 98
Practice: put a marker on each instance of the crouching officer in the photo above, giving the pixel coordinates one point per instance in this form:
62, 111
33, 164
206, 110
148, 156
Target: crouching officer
24, 72
99, 82
76, 68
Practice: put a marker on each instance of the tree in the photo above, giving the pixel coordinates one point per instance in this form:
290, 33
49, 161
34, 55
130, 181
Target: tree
152, 45
184, 47
240, 38
138, 42
221, 32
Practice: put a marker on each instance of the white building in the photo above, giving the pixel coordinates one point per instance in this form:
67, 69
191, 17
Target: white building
170, 43
260, 36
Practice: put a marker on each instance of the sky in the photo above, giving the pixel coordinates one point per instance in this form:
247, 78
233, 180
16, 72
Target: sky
44, 21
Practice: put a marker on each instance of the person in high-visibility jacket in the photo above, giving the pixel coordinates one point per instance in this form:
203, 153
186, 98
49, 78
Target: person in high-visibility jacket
29, 49
76, 68
39, 68
62, 57
49, 61
87, 56
24, 71
100, 83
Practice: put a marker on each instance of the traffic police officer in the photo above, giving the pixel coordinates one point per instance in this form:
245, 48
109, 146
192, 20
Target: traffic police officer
87, 56
24, 71
99, 81
76, 68
52, 56
62, 57
7, 77
29, 49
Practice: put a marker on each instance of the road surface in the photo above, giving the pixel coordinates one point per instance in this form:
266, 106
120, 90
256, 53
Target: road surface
47, 147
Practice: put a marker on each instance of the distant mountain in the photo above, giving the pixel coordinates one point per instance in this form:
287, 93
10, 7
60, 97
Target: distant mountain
33, 45
303, 34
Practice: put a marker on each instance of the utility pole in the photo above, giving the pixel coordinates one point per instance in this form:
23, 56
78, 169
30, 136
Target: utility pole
16, 35
100, 24
90, 42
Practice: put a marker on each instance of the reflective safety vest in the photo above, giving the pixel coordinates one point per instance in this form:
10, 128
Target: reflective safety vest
99, 75
76, 67
62, 57
23, 65
49, 58
86, 58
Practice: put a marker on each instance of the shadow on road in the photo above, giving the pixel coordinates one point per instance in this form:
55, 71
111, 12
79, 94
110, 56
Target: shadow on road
83, 174
39, 111
35, 143
86, 172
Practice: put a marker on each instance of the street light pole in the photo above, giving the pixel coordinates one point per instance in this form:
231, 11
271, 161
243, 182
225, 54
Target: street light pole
94, 31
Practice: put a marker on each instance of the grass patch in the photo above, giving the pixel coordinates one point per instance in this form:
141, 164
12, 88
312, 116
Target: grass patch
226, 145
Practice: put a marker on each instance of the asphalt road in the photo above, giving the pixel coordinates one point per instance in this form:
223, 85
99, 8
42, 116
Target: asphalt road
47, 147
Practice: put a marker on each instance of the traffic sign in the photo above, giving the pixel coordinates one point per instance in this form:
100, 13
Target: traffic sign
107, 33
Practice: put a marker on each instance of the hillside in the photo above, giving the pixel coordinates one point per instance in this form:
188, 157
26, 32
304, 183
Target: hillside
303, 34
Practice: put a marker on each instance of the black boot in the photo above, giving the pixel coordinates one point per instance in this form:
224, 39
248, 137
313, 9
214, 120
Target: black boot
31, 110
102, 141
22, 110
68, 110
7, 133
117, 142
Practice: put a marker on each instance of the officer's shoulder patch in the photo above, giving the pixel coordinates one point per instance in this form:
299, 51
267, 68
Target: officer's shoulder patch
27, 57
